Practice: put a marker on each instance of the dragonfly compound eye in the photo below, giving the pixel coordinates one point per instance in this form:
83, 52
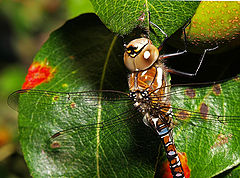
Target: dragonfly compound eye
140, 54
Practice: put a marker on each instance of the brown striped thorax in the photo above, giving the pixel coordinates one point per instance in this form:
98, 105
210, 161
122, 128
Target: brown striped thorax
152, 80
140, 54
149, 90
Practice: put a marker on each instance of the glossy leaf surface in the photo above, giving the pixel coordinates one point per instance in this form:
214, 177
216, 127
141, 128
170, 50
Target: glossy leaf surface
78, 52
212, 136
123, 16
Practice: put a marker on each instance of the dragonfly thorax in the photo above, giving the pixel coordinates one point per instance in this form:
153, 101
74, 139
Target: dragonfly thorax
149, 91
142, 100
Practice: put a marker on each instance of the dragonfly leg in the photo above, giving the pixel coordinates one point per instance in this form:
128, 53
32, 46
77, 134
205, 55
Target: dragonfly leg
155, 25
164, 56
196, 71
185, 44
166, 36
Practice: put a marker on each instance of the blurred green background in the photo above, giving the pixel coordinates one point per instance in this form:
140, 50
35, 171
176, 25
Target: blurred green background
24, 26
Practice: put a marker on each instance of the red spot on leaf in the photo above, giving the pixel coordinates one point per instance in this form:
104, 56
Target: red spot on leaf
38, 73
166, 169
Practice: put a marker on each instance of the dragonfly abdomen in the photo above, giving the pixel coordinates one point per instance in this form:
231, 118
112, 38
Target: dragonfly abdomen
172, 156
162, 126
149, 90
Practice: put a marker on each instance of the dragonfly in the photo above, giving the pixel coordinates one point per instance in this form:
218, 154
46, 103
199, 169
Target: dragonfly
81, 111
149, 89
109, 115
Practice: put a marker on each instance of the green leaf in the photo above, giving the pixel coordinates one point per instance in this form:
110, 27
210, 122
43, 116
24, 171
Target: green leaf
123, 16
209, 139
215, 23
83, 55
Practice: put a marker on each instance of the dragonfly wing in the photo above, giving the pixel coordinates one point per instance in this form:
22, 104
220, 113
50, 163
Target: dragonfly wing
207, 126
89, 130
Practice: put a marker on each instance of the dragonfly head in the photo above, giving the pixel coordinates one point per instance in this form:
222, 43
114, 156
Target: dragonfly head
140, 54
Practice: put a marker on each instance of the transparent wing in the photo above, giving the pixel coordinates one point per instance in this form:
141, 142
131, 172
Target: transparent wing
43, 98
210, 109
216, 106
81, 110
83, 129
207, 124
85, 126
89, 115
210, 103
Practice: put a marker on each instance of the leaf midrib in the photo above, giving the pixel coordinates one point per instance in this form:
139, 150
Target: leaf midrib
99, 116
